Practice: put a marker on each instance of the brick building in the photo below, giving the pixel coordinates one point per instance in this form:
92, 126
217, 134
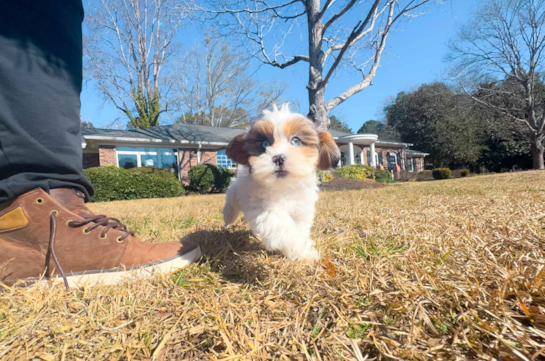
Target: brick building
178, 147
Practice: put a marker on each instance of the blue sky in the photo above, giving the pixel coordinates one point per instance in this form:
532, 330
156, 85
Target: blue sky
414, 56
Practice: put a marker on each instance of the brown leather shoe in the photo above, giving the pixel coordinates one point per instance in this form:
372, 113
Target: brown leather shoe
58, 236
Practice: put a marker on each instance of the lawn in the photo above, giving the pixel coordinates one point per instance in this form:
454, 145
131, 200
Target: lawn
439, 270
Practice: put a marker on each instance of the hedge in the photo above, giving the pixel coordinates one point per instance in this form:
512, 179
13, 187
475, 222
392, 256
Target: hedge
383, 176
352, 171
114, 184
441, 173
207, 178
325, 177
160, 172
369, 171
465, 172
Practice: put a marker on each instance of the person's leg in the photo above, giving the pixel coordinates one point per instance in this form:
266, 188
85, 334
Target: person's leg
40, 85
45, 227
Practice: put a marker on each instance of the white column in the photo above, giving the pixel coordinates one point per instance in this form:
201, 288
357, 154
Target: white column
373, 155
361, 157
351, 153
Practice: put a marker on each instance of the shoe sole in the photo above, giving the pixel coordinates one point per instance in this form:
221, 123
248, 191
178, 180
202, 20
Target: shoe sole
115, 276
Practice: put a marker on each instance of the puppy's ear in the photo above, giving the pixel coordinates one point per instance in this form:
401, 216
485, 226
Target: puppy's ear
329, 152
235, 150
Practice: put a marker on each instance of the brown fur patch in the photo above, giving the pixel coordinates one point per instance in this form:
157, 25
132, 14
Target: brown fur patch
310, 151
235, 150
303, 129
261, 131
329, 152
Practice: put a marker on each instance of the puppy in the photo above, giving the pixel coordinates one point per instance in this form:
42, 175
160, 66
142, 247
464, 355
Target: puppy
276, 186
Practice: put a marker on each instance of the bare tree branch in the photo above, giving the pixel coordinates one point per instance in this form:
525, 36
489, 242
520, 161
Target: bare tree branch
356, 33
506, 43
129, 43
263, 30
339, 14
217, 90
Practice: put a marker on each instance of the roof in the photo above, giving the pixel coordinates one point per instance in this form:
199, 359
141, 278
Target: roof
191, 133
415, 152
194, 134
338, 133
185, 133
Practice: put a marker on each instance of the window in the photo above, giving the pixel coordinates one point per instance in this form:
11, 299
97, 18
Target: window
391, 157
147, 157
127, 161
410, 164
224, 161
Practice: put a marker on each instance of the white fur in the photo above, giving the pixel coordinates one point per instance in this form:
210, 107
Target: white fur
280, 211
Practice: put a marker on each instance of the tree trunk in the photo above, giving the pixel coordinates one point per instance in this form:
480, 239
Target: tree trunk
537, 153
317, 107
316, 91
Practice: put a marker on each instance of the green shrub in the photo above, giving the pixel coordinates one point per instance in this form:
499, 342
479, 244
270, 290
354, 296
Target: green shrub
383, 176
207, 178
114, 184
369, 171
326, 177
465, 172
225, 179
160, 172
441, 173
352, 171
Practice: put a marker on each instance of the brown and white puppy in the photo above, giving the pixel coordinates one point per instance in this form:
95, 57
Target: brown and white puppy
276, 186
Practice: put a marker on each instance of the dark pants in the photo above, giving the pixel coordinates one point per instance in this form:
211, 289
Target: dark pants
40, 84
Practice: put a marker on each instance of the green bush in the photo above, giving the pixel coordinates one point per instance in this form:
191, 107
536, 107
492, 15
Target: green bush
207, 178
160, 172
352, 171
114, 184
367, 169
383, 176
465, 172
441, 173
225, 179
326, 177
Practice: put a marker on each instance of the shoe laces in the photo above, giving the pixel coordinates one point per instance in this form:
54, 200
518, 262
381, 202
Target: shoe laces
97, 221
102, 221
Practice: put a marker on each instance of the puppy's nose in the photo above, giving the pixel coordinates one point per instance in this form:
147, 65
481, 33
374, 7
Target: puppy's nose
279, 159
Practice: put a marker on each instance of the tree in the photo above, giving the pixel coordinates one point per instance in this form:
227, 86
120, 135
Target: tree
371, 127
506, 41
84, 124
437, 121
384, 131
337, 124
507, 143
129, 44
214, 88
329, 43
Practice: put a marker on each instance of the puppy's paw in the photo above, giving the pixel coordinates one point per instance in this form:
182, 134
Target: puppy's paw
310, 256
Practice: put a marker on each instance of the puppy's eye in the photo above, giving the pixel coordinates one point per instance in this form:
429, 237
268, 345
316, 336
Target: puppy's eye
296, 141
266, 144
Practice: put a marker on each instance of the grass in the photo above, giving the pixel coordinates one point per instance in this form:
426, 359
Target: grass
451, 270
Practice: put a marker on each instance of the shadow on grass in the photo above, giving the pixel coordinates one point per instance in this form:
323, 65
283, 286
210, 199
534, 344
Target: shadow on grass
232, 254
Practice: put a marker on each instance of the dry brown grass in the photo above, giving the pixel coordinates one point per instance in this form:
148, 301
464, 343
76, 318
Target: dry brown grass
423, 271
